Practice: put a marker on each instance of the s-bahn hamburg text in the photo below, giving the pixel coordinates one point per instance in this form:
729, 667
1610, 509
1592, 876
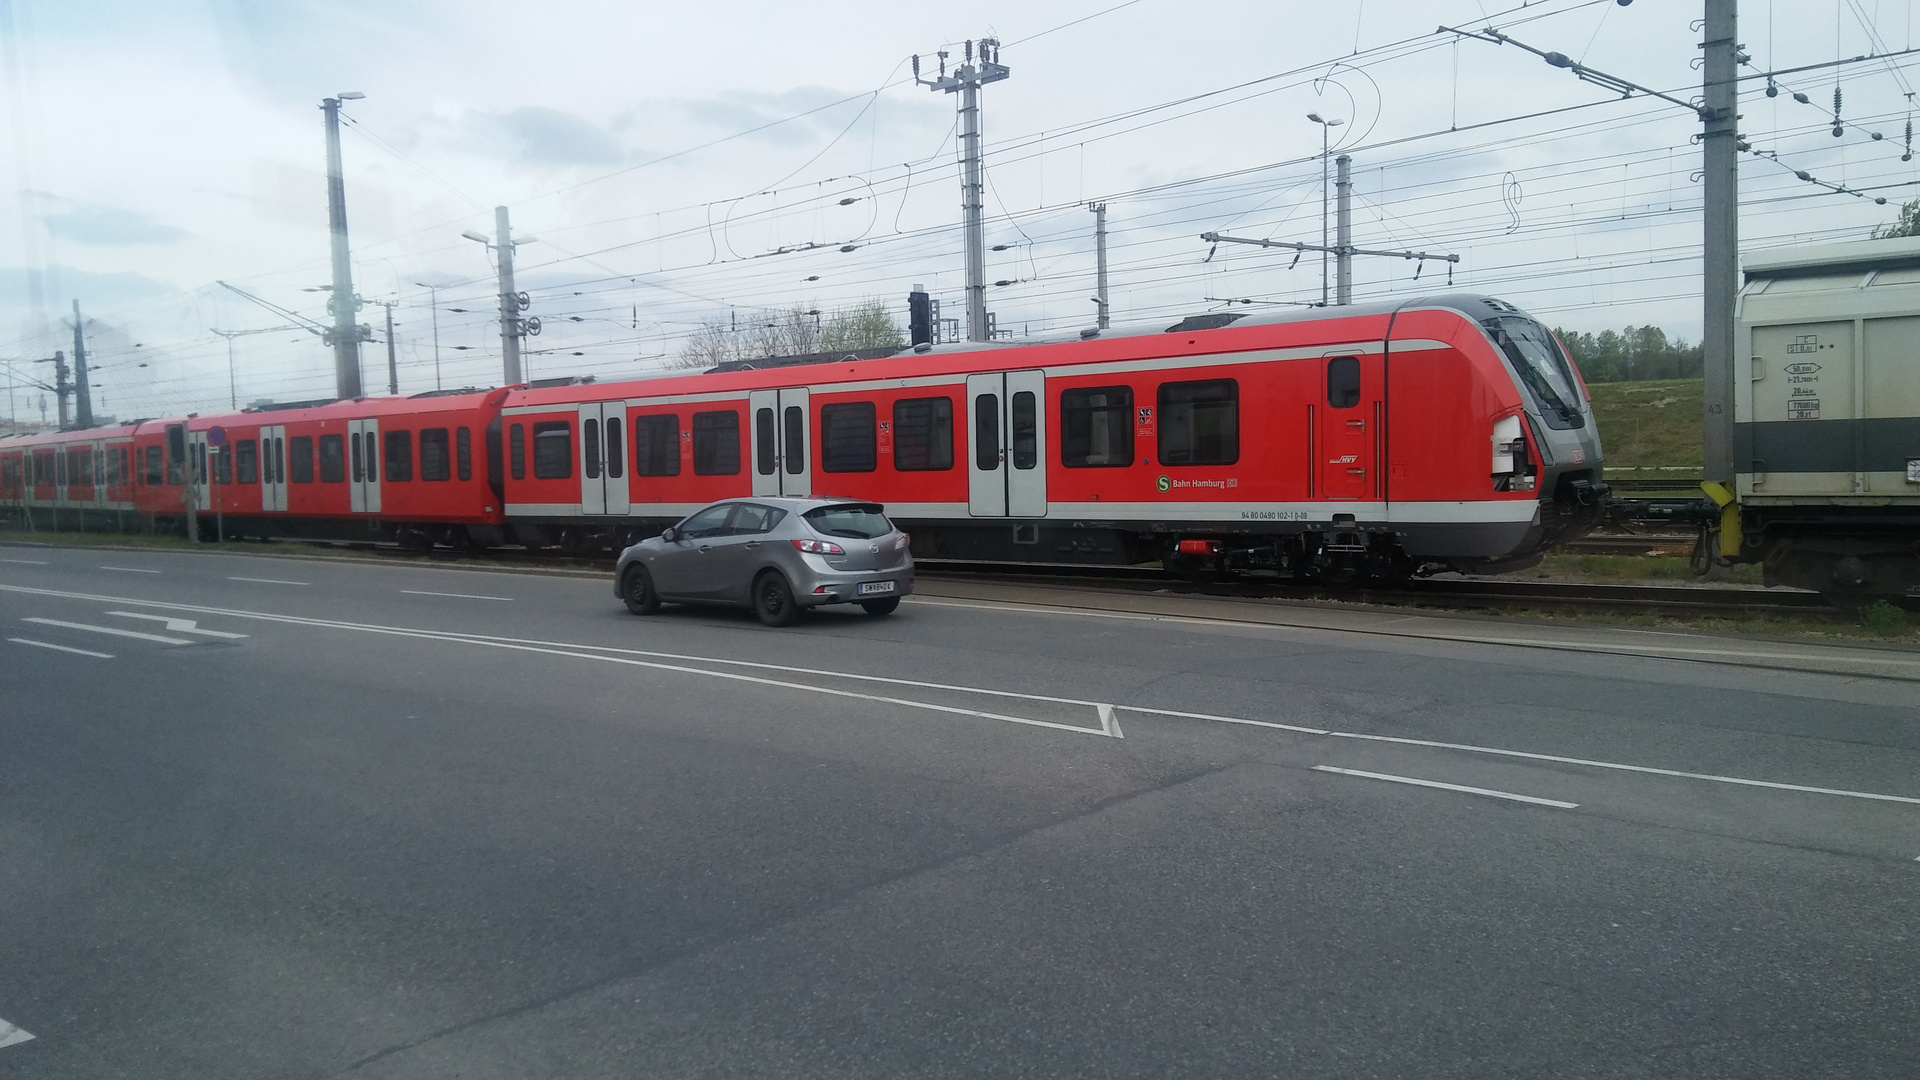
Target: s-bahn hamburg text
1451, 432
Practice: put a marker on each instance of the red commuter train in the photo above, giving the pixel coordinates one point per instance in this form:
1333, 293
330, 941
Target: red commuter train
1451, 432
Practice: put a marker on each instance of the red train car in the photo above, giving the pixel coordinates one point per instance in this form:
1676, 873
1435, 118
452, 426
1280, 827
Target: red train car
1448, 432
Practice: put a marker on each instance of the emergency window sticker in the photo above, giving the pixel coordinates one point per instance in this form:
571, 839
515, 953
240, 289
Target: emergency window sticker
885, 443
1146, 419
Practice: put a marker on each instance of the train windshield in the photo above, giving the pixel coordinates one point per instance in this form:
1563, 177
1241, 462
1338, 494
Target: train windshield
1537, 357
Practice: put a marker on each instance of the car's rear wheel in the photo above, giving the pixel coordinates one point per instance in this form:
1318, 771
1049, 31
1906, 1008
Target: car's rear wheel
881, 607
773, 599
636, 588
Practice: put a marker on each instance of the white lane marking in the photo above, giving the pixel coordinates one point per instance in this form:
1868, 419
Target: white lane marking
59, 648
1469, 748
129, 569
10, 1034
551, 649
179, 626
24, 562
115, 631
455, 595
266, 581
1685, 654
1417, 782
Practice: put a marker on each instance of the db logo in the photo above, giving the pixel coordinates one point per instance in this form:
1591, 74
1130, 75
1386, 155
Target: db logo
1163, 484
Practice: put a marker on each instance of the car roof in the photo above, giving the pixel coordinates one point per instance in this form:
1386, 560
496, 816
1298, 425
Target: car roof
801, 505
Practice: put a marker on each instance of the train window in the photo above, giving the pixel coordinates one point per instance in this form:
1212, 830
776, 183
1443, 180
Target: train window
433, 455
399, 455
116, 475
517, 450
766, 451
300, 459
463, 453
247, 460
1343, 382
986, 432
223, 465
552, 450
1200, 422
616, 453
359, 459
333, 460
200, 463
846, 437
80, 467
590, 446
1025, 448
656, 445
150, 465
279, 460
923, 434
1096, 427
60, 468
9, 472
716, 443
794, 427
176, 454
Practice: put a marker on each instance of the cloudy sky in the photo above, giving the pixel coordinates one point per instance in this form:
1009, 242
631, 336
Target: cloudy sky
669, 159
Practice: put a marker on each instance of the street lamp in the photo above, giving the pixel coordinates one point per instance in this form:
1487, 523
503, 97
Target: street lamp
1326, 148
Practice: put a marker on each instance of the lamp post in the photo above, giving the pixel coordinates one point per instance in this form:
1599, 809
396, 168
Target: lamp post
1326, 148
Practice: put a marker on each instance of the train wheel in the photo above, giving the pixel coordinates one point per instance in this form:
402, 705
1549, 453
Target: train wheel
773, 599
636, 588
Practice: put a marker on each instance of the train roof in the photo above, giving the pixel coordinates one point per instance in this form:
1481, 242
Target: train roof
1822, 260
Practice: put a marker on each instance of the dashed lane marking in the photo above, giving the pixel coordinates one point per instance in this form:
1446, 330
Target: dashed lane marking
1417, 782
56, 648
10, 1034
455, 595
25, 562
266, 581
129, 570
114, 630
179, 626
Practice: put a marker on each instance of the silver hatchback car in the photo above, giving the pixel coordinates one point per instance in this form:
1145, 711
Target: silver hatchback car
774, 555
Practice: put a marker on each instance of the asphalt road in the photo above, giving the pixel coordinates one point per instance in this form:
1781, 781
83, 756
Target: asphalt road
411, 822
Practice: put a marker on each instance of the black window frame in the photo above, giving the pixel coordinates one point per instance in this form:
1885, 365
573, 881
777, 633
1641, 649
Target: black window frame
399, 455
615, 459
716, 444
553, 459
517, 451
1343, 376
333, 467
648, 459
463, 453
919, 425
436, 461
589, 448
1077, 415
1023, 429
849, 437
300, 459
986, 432
1181, 400
793, 439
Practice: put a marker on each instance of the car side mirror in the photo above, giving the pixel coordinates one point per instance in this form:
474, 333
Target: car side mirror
669, 535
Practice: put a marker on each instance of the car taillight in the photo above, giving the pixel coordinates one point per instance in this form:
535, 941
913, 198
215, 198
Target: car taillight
819, 547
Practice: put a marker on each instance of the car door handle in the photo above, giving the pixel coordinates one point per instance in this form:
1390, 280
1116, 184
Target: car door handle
702, 549
751, 545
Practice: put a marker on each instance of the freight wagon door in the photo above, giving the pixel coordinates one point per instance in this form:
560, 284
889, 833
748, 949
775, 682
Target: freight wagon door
363, 466
1347, 435
1801, 433
603, 458
782, 460
273, 469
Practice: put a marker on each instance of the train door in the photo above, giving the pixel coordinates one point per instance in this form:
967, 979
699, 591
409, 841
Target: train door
273, 469
1347, 434
1006, 470
99, 473
782, 463
603, 458
363, 471
201, 498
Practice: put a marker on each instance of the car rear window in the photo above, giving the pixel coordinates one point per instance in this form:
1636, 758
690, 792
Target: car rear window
860, 521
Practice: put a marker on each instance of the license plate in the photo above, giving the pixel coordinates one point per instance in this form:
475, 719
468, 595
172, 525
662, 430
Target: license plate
869, 587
